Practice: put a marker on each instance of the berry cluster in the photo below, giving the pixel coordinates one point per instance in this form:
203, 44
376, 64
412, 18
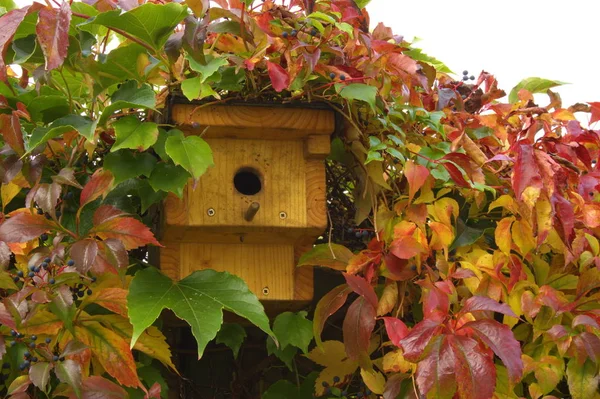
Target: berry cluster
359, 233
466, 76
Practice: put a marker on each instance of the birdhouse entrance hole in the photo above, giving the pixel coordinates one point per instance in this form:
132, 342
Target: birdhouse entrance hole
247, 181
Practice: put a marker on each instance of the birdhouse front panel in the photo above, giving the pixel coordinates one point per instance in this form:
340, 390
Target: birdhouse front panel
260, 206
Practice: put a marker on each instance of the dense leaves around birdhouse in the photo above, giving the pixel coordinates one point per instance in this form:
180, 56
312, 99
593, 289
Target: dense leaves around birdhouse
477, 214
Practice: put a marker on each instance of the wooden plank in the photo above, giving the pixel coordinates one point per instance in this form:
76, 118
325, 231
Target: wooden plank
317, 147
240, 121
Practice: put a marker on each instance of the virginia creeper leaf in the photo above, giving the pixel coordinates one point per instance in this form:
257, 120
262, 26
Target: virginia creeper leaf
134, 134
334, 256
39, 374
96, 387
84, 254
328, 305
357, 329
416, 341
474, 369
396, 329
69, 372
24, 227
533, 85
192, 153
436, 372
279, 76
130, 231
582, 379
53, 33
99, 185
129, 96
416, 176
293, 329
361, 92
233, 336
361, 287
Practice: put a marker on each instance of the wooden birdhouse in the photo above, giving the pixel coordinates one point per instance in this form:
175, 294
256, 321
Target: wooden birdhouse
260, 206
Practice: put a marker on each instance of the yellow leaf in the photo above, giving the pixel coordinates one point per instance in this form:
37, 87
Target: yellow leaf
443, 209
530, 196
502, 234
8, 192
472, 282
543, 214
335, 360
394, 362
388, 299
375, 172
505, 201
593, 241
563, 115
441, 237
374, 380
42, 322
522, 235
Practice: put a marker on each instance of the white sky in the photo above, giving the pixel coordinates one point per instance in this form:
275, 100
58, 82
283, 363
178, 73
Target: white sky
512, 39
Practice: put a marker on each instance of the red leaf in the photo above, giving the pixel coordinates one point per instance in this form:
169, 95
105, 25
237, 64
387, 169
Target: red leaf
131, 232
406, 247
24, 227
396, 329
105, 213
587, 345
112, 256
113, 299
9, 23
357, 328
53, 34
435, 300
525, 173
456, 174
584, 320
99, 185
501, 340
362, 288
10, 126
328, 305
483, 303
436, 372
403, 63
84, 254
154, 392
416, 176
6, 318
564, 218
474, 369
416, 341
95, 387
279, 76
595, 110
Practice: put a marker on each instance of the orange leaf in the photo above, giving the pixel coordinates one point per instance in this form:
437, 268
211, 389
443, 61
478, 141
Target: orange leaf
441, 237
113, 299
111, 350
502, 234
130, 231
11, 132
416, 176
99, 185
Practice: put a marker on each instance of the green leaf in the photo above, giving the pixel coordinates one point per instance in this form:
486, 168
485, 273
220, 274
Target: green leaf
465, 235
362, 3
286, 355
195, 89
41, 135
8, 5
192, 153
69, 372
281, 389
148, 196
121, 64
134, 134
129, 96
151, 23
582, 379
198, 299
233, 336
6, 281
359, 91
418, 55
84, 125
206, 71
24, 48
293, 329
163, 135
533, 85
231, 79
62, 306
126, 164
170, 178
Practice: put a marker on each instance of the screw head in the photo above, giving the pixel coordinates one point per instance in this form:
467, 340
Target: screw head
210, 212
265, 291
282, 215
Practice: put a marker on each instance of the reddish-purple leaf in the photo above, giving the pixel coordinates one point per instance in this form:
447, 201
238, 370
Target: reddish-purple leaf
362, 288
414, 344
96, 387
105, 213
99, 185
84, 254
357, 328
112, 256
584, 320
393, 386
474, 369
484, 303
501, 340
24, 227
39, 374
279, 76
10, 126
9, 23
587, 345
525, 173
53, 34
436, 372
328, 305
130, 231
396, 329
456, 174
416, 176
564, 218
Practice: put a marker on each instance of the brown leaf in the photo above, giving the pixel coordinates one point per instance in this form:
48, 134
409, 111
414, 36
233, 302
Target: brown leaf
99, 185
24, 227
328, 305
84, 254
357, 329
10, 126
53, 34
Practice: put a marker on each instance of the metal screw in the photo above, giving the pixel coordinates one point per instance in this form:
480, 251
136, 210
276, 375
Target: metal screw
265, 291
210, 212
282, 215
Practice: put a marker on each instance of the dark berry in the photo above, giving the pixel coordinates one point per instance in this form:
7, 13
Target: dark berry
44, 264
71, 262
37, 269
465, 72
40, 211
13, 343
31, 274
342, 77
472, 77
16, 279
34, 359
79, 286
26, 355
48, 340
358, 234
365, 233
465, 78
48, 216
32, 268
325, 384
89, 292
332, 75
294, 32
413, 268
94, 279
33, 337
19, 335
13, 333
69, 195
20, 273
62, 359
285, 35
32, 345
22, 366
47, 260
336, 379
350, 230
58, 214
44, 237
80, 294
313, 32
52, 281
368, 391
6, 366
55, 358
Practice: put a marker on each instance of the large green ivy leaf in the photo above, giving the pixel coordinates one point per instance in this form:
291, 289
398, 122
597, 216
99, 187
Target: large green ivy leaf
198, 299
128, 164
232, 335
533, 85
40, 135
169, 178
129, 96
150, 23
134, 134
360, 91
192, 153
293, 329
120, 65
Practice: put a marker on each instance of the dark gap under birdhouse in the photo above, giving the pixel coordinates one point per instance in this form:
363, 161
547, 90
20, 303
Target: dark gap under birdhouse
247, 181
